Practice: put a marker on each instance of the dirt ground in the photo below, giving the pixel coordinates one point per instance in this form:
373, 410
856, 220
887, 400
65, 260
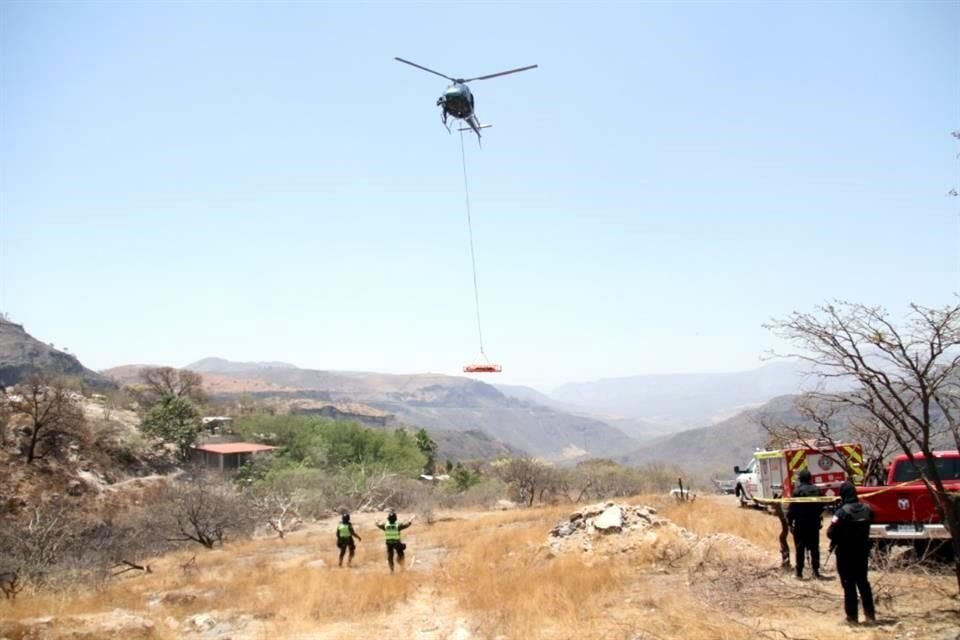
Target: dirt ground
703, 570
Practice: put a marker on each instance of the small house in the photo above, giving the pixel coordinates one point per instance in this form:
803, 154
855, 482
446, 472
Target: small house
226, 456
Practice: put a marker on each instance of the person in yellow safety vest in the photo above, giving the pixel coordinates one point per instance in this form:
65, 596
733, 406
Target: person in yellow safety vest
345, 536
391, 533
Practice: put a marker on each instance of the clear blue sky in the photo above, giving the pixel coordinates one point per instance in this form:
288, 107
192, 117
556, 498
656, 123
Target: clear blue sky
263, 181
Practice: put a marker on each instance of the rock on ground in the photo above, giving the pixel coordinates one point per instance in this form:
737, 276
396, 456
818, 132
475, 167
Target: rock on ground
609, 528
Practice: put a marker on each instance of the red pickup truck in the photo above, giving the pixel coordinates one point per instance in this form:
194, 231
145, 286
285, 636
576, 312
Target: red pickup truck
906, 511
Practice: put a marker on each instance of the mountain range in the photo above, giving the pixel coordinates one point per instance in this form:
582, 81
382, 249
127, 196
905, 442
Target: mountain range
674, 402
702, 421
439, 402
444, 405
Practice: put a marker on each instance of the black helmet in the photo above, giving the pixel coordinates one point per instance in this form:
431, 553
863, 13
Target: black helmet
345, 517
848, 492
391, 517
805, 476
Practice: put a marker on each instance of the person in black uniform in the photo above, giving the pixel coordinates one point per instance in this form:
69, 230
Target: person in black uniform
849, 534
345, 536
805, 521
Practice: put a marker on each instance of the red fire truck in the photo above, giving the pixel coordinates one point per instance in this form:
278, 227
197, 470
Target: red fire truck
772, 474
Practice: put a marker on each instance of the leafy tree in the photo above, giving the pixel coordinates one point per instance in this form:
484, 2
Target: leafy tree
464, 478
173, 419
334, 444
428, 448
905, 376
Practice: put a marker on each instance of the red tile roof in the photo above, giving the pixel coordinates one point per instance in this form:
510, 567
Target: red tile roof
234, 447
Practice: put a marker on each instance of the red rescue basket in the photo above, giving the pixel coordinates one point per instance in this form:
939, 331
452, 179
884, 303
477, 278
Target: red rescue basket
482, 368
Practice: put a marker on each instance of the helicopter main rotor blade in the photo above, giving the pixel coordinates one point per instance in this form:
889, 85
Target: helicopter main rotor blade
414, 64
502, 73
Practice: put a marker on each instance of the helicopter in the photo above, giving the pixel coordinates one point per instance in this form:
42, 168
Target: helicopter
457, 100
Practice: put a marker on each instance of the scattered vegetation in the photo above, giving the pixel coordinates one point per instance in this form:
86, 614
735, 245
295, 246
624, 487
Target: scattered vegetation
489, 573
175, 420
171, 399
48, 414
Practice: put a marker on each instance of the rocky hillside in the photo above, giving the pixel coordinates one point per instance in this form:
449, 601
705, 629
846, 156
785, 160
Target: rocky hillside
219, 365
22, 355
95, 460
470, 445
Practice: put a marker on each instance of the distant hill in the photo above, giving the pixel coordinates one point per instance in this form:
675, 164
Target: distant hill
219, 365
470, 445
717, 448
213, 383
678, 401
126, 373
438, 402
634, 427
22, 355
528, 394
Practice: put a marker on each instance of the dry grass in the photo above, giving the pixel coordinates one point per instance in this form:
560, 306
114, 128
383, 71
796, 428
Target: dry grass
505, 580
721, 515
495, 571
250, 578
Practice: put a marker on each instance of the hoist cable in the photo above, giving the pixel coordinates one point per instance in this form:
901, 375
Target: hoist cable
473, 257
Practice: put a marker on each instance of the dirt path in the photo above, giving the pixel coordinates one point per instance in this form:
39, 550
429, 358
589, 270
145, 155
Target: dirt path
425, 616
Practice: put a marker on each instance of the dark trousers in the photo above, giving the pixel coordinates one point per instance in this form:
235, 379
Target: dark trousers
807, 537
395, 547
344, 545
853, 576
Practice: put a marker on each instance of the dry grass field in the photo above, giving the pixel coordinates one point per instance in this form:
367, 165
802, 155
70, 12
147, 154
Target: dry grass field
491, 575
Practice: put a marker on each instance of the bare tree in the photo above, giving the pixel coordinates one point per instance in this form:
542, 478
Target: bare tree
161, 382
367, 488
37, 541
202, 509
906, 379
525, 476
51, 413
820, 422
280, 507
